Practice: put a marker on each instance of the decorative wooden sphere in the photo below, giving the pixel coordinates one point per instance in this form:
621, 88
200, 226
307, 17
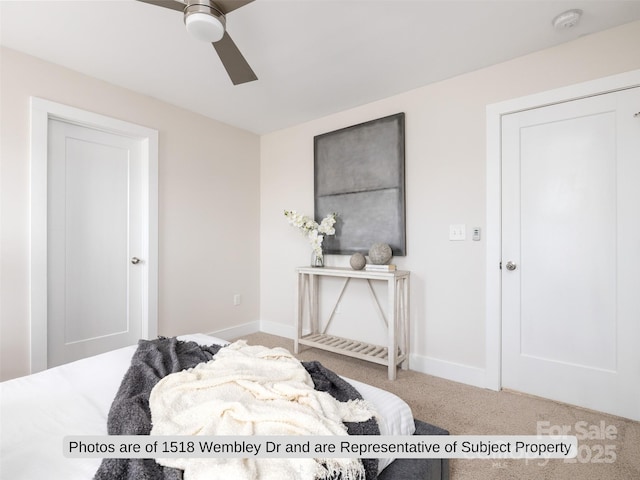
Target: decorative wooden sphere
358, 261
380, 254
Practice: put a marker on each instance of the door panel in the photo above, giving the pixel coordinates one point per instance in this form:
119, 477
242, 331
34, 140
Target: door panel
570, 210
96, 204
95, 293
568, 223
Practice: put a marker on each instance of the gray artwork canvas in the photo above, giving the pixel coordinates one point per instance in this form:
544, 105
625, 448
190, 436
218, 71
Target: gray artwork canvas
359, 174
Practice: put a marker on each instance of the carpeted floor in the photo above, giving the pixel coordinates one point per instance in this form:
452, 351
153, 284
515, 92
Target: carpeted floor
466, 410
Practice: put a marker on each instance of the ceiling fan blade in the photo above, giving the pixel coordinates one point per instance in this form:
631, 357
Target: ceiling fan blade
172, 4
234, 63
227, 6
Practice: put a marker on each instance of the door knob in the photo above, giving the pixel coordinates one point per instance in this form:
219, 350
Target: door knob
511, 266
135, 260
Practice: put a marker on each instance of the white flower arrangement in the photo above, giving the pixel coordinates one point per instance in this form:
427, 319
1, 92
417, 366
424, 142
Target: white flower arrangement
313, 230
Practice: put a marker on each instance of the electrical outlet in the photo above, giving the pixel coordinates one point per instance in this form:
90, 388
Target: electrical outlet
237, 299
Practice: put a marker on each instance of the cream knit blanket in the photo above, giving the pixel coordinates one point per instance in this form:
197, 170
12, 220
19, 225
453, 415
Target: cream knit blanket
252, 390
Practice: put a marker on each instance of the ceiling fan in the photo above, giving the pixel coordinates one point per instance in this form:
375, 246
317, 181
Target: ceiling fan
206, 20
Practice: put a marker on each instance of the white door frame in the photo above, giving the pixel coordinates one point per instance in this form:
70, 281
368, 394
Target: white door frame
493, 293
41, 111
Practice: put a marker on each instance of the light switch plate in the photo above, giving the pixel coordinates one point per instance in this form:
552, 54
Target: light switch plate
457, 232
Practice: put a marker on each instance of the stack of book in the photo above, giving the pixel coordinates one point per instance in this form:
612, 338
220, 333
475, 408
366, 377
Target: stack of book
371, 267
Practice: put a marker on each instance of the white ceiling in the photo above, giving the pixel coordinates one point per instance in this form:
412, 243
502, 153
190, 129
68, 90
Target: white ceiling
312, 57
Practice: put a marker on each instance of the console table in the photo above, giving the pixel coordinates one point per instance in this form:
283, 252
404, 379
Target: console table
396, 319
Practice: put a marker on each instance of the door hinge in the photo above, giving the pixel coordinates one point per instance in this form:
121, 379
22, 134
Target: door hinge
500, 264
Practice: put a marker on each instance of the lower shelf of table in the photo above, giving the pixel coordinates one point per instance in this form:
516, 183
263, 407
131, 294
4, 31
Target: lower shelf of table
352, 348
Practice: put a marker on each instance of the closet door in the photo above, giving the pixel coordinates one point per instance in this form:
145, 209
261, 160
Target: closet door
571, 252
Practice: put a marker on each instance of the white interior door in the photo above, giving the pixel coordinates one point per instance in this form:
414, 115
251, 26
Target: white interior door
571, 252
95, 229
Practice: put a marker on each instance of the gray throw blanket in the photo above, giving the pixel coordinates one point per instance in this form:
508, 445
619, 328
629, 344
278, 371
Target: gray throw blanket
155, 359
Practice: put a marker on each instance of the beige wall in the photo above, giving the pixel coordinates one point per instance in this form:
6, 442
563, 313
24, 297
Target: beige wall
208, 205
223, 191
445, 184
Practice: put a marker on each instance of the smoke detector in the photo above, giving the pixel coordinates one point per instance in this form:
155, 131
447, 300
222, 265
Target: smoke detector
567, 19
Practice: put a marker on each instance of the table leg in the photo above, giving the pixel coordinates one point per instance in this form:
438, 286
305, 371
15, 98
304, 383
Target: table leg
392, 323
314, 304
405, 322
302, 281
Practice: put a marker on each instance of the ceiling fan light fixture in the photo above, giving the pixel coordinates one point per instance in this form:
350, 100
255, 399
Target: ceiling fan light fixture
204, 23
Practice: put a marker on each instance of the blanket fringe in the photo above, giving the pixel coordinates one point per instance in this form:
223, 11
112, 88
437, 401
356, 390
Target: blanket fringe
342, 468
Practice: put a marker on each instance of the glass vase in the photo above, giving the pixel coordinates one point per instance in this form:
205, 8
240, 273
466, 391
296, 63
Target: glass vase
317, 260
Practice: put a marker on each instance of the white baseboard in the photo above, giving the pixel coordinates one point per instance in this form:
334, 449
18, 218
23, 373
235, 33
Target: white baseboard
449, 370
279, 329
237, 331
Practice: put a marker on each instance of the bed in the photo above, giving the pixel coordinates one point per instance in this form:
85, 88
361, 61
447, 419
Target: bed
38, 410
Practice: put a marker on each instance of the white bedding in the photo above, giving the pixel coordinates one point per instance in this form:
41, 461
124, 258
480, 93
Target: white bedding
38, 410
